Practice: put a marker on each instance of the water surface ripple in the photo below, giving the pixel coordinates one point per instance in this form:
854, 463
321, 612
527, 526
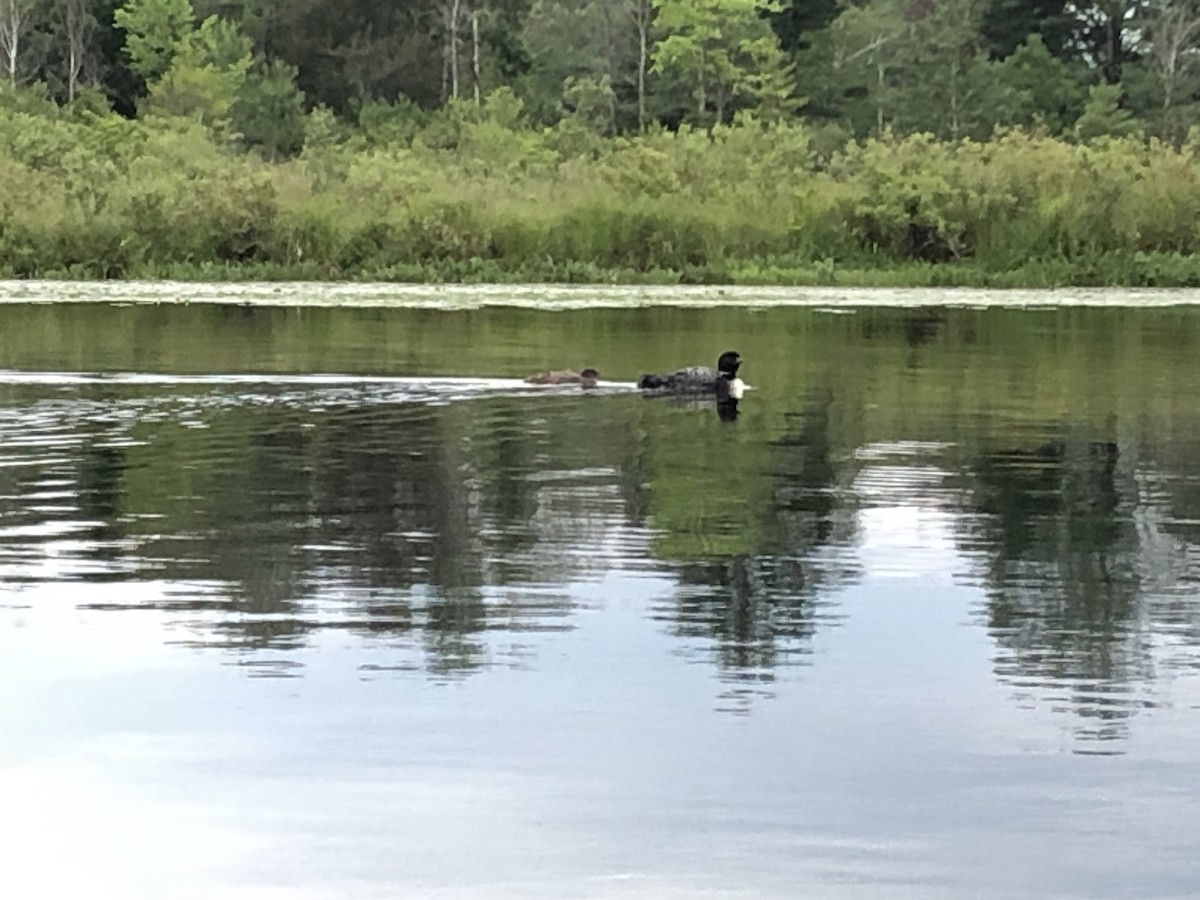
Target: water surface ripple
300, 602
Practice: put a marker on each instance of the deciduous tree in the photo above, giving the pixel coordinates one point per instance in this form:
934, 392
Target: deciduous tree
1107, 31
79, 24
15, 16
1173, 35
943, 83
717, 45
598, 47
154, 33
865, 48
207, 71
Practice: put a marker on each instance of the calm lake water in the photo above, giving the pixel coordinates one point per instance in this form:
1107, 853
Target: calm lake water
305, 602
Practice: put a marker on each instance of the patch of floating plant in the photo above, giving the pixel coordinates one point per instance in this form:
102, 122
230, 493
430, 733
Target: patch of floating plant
567, 297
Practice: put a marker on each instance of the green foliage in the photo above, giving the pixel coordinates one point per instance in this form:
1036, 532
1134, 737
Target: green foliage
205, 77
726, 50
268, 111
852, 70
387, 124
954, 69
479, 194
592, 102
1048, 92
1103, 115
800, 22
583, 59
932, 72
1007, 24
771, 80
155, 31
322, 129
200, 92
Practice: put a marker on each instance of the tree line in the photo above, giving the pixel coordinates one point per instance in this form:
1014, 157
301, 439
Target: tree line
953, 68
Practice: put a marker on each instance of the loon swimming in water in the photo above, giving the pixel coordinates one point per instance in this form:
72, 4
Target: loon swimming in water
722, 382
586, 379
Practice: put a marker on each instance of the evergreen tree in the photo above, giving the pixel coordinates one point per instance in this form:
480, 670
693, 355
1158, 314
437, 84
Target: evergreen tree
1007, 24
268, 111
798, 23
1103, 115
1048, 91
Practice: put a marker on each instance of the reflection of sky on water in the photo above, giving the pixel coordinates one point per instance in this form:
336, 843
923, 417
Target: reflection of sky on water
559, 738
863, 776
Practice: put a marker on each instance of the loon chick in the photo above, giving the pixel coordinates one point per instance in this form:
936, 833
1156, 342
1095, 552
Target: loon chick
722, 382
586, 379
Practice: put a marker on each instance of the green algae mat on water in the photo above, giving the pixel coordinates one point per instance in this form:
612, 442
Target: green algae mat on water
571, 297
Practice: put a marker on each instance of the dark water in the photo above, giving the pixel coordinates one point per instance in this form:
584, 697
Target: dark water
325, 603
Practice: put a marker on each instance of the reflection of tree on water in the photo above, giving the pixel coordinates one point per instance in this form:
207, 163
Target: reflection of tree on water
445, 530
395, 502
432, 525
757, 612
220, 501
918, 327
806, 492
93, 510
455, 623
751, 545
101, 467
1064, 593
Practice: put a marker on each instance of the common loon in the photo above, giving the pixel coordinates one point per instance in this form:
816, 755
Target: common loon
722, 382
587, 378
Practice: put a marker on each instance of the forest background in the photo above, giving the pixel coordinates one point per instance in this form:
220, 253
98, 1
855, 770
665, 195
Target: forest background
989, 142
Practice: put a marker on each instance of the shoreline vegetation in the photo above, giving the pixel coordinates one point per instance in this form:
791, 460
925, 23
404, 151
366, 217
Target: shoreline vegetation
91, 195
989, 144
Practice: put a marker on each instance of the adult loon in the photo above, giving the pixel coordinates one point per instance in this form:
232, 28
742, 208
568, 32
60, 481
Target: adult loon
722, 382
586, 378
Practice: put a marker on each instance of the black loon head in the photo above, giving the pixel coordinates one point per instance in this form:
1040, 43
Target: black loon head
728, 363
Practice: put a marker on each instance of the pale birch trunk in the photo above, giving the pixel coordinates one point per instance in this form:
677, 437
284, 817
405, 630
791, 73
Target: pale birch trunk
13, 22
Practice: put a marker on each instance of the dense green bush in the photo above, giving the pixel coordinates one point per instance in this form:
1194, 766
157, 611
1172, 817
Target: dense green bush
473, 193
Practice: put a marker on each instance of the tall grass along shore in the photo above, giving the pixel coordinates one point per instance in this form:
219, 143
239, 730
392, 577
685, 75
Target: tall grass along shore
477, 194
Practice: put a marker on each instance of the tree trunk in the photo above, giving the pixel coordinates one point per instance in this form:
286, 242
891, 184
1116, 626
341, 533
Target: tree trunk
12, 26
76, 22
612, 54
451, 11
455, 10
445, 74
641, 80
475, 53
1114, 45
954, 100
73, 66
1173, 37
879, 70
639, 11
